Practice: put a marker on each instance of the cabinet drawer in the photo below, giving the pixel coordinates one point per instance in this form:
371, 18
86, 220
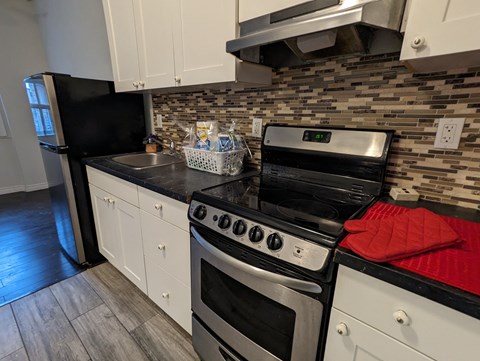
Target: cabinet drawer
433, 329
359, 341
115, 186
168, 209
167, 246
170, 295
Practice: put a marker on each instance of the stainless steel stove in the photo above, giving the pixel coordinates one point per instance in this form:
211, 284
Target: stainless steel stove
261, 247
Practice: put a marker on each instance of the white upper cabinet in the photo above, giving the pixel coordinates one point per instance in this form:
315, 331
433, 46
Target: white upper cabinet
249, 9
166, 43
200, 35
123, 42
155, 43
441, 34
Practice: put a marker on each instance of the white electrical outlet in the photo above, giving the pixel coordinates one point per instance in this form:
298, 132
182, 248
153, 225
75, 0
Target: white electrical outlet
257, 127
159, 120
449, 132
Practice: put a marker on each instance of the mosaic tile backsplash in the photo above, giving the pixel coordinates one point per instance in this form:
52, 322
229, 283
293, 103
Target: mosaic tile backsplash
358, 92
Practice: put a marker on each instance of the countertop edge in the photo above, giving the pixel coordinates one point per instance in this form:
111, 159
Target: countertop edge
140, 182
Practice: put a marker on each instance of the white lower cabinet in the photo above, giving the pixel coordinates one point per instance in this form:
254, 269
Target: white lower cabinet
167, 260
119, 234
352, 340
145, 236
374, 320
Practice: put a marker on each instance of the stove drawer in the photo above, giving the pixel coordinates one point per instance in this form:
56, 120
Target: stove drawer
168, 209
431, 328
167, 246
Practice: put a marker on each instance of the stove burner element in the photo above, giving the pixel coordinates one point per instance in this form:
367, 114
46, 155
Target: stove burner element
306, 210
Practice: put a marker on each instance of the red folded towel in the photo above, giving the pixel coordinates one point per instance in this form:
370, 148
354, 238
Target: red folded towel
405, 235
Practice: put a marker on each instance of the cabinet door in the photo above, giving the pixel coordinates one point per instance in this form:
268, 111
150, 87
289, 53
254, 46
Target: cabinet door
119, 17
447, 26
104, 216
153, 20
360, 342
201, 30
129, 236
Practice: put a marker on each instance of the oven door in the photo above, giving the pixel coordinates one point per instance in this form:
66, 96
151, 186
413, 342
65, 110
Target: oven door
259, 314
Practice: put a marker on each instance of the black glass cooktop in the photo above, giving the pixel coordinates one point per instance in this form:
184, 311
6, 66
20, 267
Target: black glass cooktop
300, 204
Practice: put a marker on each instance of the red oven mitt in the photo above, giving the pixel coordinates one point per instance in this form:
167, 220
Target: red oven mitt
405, 235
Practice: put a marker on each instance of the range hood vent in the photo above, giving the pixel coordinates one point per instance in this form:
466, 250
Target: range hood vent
319, 29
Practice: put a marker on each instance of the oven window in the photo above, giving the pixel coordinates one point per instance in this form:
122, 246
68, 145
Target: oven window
264, 321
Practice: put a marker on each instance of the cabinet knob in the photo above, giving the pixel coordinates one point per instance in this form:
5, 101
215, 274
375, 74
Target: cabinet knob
111, 201
135, 84
158, 206
165, 295
178, 79
418, 42
105, 199
161, 247
141, 83
401, 317
342, 329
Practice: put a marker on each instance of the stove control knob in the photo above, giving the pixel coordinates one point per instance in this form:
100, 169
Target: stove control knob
239, 228
200, 212
274, 242
255, 234
224, 221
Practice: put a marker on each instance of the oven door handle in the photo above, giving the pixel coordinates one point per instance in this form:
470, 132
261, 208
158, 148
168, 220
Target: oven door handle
289, 282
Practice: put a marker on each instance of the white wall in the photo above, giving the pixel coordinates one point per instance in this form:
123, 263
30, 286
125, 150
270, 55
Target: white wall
75, 37
22, 54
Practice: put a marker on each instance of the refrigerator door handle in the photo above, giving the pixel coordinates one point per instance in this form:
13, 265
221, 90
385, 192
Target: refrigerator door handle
58, 149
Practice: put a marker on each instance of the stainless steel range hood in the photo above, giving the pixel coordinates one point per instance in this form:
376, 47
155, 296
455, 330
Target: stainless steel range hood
318, 29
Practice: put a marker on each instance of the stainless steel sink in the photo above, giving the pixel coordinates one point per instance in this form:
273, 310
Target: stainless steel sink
147, 160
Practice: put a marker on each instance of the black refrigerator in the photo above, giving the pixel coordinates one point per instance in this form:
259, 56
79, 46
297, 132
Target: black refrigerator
76, 118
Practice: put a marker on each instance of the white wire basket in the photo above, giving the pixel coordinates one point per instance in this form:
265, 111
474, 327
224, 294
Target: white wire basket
215, 162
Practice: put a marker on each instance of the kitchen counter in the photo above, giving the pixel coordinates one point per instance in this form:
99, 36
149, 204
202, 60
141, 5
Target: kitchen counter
176, 181
449, 296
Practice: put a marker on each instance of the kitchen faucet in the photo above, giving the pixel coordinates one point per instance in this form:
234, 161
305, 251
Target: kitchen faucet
171, 147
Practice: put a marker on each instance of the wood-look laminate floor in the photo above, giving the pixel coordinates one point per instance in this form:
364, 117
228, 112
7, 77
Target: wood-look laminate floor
96, 315
31, 257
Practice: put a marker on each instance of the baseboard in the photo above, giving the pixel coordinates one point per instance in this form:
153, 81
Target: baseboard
36, 187
13, 189
23, 188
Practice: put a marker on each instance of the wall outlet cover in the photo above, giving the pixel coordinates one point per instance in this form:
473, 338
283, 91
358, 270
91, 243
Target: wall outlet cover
404, 194
257, 127
449, 132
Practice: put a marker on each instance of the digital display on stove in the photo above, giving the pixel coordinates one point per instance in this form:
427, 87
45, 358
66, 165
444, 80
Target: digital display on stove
316, 136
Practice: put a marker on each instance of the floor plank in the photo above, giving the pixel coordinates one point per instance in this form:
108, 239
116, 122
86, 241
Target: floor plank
105, 338
75, 296
10, 340
46, 332
130, 305
31, 257
20, 355
27, 286
163, 341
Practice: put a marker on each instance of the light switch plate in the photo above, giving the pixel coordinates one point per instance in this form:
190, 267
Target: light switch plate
159, 120
449, 132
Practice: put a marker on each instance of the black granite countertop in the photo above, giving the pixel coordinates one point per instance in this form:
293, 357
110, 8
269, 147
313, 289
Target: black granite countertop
176, 181
449, 296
